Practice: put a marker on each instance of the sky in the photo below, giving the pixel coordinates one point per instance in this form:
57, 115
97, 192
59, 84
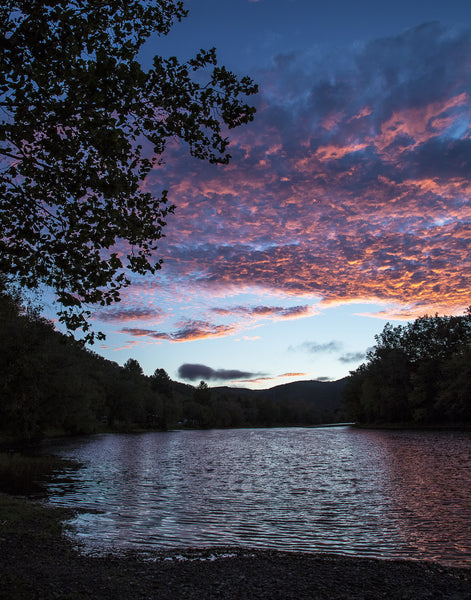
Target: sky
345, 205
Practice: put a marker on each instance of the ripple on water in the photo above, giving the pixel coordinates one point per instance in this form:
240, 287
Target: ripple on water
371, 493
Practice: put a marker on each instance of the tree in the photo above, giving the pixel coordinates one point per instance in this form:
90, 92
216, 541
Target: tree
81, 126
132, 368
417, 372
202, 393
161, 382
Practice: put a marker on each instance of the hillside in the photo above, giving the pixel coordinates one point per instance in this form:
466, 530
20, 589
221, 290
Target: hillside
297, 403
324, 395
305, 402
53, 385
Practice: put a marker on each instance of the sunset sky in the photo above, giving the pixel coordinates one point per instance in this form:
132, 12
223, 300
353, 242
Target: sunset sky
346, 203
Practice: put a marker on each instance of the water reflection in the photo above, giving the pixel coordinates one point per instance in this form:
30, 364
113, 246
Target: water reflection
431, 482
390, 494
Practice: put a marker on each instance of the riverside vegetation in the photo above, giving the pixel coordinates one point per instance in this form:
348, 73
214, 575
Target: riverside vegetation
417, 374
52, 385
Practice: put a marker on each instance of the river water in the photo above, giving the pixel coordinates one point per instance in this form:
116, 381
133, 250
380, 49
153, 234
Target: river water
387, 494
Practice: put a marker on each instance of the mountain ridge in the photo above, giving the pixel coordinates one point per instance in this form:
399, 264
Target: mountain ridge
325, 395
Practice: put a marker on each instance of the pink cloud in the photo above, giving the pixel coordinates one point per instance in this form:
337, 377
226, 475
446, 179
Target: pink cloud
130, 314
255, 380
261, 312
188, 331
351, 184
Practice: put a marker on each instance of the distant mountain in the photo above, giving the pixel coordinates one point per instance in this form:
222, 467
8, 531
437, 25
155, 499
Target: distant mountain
326, 396
298, 403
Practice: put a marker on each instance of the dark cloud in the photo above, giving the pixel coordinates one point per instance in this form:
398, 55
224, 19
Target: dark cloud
442, 158
194, 372
352, 357
316, 348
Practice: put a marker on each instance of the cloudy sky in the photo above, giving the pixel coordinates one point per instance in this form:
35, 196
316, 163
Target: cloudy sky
346, 203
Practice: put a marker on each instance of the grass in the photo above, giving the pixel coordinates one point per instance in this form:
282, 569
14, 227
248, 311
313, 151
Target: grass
25, 474
22, 517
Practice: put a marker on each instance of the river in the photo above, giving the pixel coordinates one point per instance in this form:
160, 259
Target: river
388, 494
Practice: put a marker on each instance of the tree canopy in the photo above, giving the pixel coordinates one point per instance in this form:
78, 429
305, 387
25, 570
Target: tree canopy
418, 373
51, 384
82, 123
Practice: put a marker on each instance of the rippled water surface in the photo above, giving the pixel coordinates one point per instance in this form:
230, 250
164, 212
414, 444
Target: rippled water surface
370, 493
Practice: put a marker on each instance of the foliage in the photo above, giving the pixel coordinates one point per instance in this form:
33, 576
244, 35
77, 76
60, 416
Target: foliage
82, 124
53, 385
417, 373
161, 382
21, 473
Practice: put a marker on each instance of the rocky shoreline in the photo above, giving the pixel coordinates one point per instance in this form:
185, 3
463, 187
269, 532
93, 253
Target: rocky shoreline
59, 573
38, 562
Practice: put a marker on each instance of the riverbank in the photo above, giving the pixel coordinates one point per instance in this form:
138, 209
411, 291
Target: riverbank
412, 426
38, 561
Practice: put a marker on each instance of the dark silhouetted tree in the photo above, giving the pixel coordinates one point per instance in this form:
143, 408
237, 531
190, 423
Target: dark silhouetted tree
415, 373
161, 382
202, 393
82, 123
133, 368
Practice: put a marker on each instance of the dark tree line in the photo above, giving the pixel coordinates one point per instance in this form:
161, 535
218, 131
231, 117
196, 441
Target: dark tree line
226, 407
50, 384
418, 373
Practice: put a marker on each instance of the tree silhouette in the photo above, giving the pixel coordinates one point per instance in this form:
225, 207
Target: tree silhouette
81, 126
415, 373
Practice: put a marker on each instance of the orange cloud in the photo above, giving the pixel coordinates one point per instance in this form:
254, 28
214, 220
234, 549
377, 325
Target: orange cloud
255, 380
358, 190
419, 124
189, 331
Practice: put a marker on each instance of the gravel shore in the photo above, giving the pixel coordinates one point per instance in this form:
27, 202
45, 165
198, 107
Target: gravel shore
37, 562
58, 573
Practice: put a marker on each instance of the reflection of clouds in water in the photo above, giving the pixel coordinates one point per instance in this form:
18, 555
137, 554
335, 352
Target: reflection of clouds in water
432, 485
331, 489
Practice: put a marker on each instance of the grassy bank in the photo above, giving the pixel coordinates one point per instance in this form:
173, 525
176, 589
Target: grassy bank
24, 518
22, 477
23, 473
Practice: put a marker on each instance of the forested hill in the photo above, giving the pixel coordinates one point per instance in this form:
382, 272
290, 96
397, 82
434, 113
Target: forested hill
298, 403
416, 374
321, 398
50, 384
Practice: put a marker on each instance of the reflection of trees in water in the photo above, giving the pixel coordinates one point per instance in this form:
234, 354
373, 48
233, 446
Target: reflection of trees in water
430, 476
376, 493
